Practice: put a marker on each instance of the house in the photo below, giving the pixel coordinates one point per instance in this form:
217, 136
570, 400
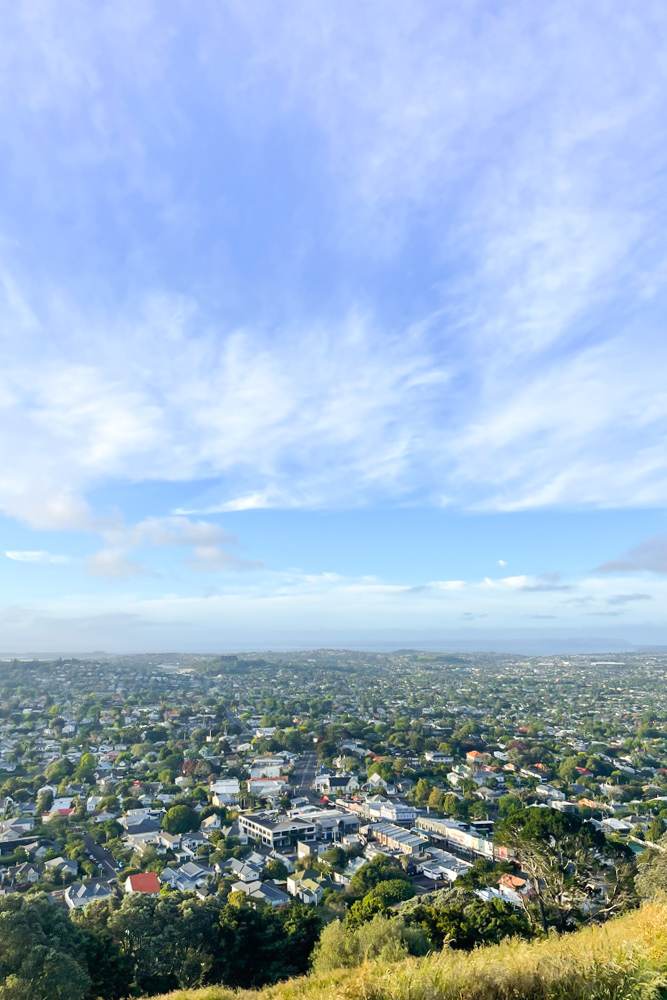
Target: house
211, 823
62, 806
376, 783
307, 886
243, 871
23, 874
268, 768
267, 788
81, 894
225, 792
191, 842
140, 820
351, 869
188, 877
548, 792
513, 888
141, 828
17, 827
144, 882
612, 825
341, 784
36, 851
62, 866
489, 893
262, 892
283, 858
169, 841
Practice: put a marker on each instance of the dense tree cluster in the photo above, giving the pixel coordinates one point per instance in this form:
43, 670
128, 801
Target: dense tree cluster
147, 945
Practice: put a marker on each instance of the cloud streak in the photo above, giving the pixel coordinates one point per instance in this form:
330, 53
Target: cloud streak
650, 555
36, 557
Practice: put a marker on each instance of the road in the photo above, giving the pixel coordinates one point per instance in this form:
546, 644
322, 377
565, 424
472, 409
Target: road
303, 776
101, 857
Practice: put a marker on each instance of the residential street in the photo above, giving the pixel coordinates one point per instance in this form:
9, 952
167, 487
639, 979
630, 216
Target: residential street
102, 857
303, 776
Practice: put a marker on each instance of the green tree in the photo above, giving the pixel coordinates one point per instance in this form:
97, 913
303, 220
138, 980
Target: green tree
59, 770
655, 829
572, 868
181, 819
380, 899
42, 954
422, 791
387, 939
85, 770
436, 799
275, 869
335, 856
465, 921
378, 870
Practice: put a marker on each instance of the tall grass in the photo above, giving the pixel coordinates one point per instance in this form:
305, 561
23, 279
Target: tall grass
625, 959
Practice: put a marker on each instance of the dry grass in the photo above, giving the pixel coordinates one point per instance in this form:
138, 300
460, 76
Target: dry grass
625, 959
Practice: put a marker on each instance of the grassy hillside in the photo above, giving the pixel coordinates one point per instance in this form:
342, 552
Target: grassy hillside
622, 960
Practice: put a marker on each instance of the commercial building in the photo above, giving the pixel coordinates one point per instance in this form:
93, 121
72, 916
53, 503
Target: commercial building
455, 835
398, 839
276, 832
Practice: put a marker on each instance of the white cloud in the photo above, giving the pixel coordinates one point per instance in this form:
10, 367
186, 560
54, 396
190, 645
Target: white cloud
113, 564
215, 557
36, 556
250, 501
531, 184
171, 530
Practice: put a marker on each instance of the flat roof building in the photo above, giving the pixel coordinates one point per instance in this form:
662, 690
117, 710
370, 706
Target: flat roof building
277, 832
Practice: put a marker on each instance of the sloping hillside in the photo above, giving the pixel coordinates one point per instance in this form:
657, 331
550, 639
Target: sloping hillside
626, 959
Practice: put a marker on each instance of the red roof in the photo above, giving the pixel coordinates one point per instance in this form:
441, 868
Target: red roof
512, 881
144, 882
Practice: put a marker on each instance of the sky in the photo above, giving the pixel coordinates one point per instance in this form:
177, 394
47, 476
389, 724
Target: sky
333, 323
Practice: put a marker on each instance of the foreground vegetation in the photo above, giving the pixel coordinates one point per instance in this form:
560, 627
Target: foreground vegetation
625, 958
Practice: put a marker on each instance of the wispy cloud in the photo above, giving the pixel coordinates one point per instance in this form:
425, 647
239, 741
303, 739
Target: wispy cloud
214, 557
649, 555
628, 598
114, 564
546, 583
522, 371
36, 556
251, 501
270, 603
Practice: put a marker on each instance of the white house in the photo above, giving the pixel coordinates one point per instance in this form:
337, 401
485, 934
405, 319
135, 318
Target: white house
225, 792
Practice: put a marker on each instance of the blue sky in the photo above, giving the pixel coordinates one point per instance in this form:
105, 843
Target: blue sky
332, 323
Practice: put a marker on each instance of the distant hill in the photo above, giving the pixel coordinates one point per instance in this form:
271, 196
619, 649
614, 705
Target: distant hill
625, 959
